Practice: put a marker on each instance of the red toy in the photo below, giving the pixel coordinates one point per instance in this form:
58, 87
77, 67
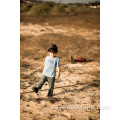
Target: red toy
79, 60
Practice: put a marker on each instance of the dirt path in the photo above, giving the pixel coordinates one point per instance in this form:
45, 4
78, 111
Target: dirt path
75, 93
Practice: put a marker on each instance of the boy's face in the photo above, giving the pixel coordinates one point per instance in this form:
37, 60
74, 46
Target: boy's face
52, 54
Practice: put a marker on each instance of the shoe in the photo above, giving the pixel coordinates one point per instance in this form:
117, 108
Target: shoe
35, 89
50, 93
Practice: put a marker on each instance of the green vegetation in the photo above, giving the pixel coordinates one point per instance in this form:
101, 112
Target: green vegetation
25, 7
96, 3
70, 8
58, 8
48, 7
51, 4
40, 9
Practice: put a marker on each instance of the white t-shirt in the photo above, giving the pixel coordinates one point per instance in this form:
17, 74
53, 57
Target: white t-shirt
50, 66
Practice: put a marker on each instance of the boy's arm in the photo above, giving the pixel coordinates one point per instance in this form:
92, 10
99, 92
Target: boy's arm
58, 72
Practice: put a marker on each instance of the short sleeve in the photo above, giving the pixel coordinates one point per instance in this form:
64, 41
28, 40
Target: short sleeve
58, 64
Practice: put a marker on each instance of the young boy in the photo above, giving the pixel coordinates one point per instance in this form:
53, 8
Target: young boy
49, 72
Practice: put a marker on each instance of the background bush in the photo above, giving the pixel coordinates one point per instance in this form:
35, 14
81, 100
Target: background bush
25, 7
51, 4
47, 7
70, 8
40, 9
58, 8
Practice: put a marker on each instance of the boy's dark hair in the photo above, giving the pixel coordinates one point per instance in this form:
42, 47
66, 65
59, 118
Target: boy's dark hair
53, 48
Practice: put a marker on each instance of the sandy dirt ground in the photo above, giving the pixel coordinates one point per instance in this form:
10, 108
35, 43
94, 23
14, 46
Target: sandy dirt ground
77, 91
